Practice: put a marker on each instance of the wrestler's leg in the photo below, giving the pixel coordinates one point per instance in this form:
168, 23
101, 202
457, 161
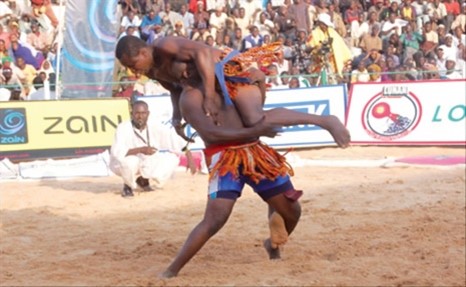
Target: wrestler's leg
249, 103
216, 215
290, 212
278, 233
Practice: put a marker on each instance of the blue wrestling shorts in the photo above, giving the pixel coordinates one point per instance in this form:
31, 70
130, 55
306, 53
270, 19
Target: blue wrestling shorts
227, 186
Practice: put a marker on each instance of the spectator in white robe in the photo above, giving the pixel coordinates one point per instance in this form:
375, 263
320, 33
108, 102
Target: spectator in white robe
144, 151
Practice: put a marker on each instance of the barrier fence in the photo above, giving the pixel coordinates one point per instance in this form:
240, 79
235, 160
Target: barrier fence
395, 113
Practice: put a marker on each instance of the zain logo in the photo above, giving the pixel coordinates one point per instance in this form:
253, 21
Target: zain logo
13, 126
391, 114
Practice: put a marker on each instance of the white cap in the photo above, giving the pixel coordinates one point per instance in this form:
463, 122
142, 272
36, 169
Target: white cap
325, 18
450, 58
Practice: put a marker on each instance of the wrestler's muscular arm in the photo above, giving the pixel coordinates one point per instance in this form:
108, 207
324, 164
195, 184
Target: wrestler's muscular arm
175, 92
204, 57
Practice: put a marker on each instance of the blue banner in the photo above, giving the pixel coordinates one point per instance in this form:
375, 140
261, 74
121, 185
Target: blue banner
89, 48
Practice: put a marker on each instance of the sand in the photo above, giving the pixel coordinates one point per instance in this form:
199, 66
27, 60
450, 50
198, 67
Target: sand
360, 226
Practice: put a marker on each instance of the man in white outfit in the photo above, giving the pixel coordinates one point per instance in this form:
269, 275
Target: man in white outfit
143, 151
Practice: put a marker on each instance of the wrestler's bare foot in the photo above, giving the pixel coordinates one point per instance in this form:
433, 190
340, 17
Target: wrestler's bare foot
167, 274
278, 233
274, 253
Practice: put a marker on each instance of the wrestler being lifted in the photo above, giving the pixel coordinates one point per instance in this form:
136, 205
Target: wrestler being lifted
173, 61
221, 70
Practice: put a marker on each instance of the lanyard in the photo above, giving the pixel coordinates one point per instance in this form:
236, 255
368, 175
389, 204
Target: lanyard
141, 138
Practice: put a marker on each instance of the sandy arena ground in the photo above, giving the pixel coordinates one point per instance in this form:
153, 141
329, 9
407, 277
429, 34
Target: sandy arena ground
359, 227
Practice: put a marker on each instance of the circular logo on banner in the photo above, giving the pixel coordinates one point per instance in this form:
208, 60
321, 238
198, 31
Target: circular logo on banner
391, 115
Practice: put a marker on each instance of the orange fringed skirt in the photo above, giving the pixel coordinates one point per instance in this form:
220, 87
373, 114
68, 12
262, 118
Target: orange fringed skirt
257, 160
256, 57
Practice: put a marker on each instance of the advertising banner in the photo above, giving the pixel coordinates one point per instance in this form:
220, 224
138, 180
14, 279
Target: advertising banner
89, 48
408, 113
66, 128
328, 100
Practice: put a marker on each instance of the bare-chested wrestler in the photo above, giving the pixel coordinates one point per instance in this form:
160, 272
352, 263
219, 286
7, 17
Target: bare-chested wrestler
235, 159
219, 70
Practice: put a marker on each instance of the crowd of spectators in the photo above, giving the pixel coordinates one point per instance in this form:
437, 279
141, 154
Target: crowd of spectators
28, 47
324, 41
350, 40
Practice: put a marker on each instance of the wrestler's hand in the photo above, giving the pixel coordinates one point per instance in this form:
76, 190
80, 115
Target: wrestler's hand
210, 107
338, 131
263, 128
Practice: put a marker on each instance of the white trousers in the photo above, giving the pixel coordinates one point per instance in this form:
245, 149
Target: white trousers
158, 167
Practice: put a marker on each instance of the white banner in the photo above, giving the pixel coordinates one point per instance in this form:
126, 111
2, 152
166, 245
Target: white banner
424, 113
328, 100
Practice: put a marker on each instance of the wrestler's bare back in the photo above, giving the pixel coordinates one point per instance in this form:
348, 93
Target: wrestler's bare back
164, 71
171, 51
